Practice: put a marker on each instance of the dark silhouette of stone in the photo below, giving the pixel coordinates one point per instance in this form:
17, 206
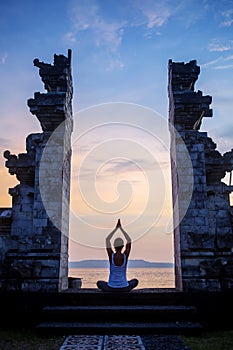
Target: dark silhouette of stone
34, 249
204, 236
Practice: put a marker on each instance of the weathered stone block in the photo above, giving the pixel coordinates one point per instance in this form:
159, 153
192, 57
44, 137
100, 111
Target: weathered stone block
200, 240
224, 241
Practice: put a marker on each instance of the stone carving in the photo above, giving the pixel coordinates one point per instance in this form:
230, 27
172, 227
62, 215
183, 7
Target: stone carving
22, 166
189, 107
55, 77
51, 108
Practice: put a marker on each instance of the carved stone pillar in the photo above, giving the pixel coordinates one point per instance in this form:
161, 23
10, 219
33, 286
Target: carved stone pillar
203, 236
37, 259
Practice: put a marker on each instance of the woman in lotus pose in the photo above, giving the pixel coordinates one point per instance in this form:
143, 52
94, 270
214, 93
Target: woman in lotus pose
118, 264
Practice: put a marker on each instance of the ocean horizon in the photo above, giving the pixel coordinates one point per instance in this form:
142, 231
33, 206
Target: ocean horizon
132, 263
148, 277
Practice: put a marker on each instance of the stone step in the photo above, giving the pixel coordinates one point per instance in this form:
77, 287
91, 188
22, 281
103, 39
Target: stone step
94, 296
191, 328
158, 308
152, 308
116, 312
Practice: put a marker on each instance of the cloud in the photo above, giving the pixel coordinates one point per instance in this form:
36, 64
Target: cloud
223, 63
157, 19
115, 63
121, 167
88, 17
70, 37
107, 31
153, 13
227, 18
220, 46
125, 166
110, 168
4, 57
227, 133
103, 25
5, 143
220, 63
80, 147
112, 59
211, 63
227, 66
228, 58
224, 141
227, 23
156, 14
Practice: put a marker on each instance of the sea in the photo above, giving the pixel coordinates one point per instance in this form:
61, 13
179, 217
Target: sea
148, 277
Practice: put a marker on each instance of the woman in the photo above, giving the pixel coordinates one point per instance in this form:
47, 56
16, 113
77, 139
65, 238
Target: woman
118, 264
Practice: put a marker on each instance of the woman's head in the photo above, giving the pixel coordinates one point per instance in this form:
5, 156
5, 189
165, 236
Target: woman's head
118, 243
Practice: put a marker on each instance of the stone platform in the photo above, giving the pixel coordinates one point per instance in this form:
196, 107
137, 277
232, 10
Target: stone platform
28, 310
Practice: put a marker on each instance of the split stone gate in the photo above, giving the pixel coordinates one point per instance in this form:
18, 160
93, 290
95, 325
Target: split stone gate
34, 244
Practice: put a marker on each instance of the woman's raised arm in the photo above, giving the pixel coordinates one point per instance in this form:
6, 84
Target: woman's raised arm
128, 240
108, 240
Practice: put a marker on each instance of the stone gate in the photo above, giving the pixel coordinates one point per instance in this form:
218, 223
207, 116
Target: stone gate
34, 232
203, 238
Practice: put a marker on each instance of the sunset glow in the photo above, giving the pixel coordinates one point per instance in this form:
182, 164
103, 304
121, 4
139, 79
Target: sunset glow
120, 52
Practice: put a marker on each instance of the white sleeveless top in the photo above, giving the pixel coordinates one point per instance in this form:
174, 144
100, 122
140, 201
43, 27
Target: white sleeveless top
117, 276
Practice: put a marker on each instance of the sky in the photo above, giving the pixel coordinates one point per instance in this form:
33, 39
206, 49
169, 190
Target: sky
120, 52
